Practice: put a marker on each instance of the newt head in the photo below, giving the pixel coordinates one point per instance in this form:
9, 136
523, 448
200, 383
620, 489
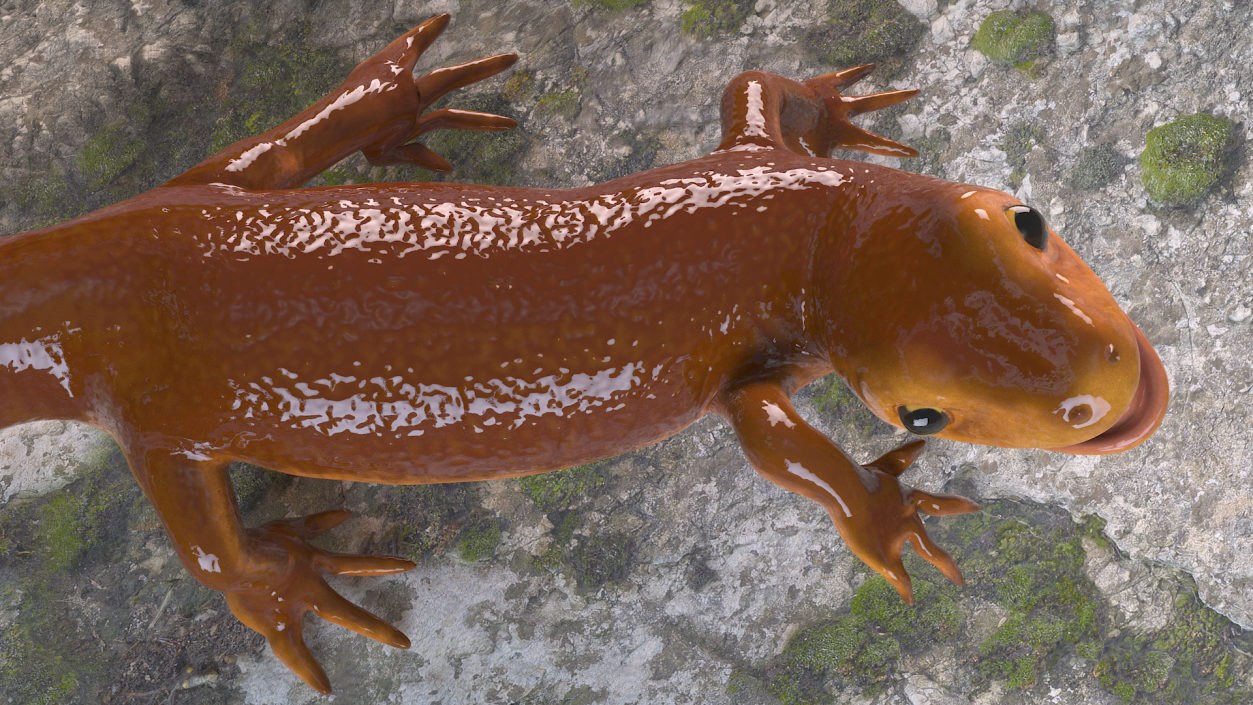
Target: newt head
966, 317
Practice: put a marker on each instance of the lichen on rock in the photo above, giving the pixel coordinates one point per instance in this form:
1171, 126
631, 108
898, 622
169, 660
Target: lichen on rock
1097, 166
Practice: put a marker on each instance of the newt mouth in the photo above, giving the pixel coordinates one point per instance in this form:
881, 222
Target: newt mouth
1142, 416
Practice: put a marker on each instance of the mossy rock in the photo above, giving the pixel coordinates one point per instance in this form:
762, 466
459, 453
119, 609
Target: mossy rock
44, 196
602, 559
643, 147
53, 543
1183, 159
273, 82
865, 31
107, 154
563, 103
1097, 166
562, 489
479, 157
1017, 145
1013, 38
479, 540
609, 5
706, 18
425, 520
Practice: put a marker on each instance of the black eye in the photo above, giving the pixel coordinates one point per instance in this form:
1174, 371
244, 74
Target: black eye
923, 421
1031, 224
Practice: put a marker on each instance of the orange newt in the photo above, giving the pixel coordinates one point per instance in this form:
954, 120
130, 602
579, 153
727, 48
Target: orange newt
442, 332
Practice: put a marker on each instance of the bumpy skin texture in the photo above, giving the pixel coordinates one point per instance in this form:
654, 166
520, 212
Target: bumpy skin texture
419, 333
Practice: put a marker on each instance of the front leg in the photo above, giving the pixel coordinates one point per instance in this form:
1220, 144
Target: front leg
270, 575
377, 110
810, 118
874, 513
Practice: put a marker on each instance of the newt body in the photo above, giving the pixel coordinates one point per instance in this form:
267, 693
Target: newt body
418, 333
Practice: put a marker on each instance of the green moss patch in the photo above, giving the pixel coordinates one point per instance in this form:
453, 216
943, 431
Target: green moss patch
609, 5
862, 647
478, 157
562, 489
42, 197
865, 31
479, 540
706, 18
563, 103
424, 520
1098, 165
832, 398
47, 542
1027, 560
1014, 38
519, 86
108, 152
602, 559
1183, 159
1193, 660
1017, 145
272, 82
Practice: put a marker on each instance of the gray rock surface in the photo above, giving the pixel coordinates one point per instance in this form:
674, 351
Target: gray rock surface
725, 569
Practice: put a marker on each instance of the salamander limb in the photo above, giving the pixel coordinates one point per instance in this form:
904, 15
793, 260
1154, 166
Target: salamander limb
874, 512
809, 118
378, 110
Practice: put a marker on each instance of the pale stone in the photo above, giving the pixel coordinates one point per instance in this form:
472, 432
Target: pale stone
922, 9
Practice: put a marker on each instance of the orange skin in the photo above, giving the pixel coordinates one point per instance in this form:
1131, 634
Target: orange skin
435, 332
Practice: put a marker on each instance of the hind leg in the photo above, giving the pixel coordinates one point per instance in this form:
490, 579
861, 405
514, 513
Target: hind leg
270, 575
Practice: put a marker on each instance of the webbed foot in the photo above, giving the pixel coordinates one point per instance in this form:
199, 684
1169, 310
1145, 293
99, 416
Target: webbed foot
401, 56
286, 581
838, 130
878, 533
806, 117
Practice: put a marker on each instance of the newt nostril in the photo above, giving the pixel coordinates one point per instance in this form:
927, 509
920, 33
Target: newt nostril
1111, 353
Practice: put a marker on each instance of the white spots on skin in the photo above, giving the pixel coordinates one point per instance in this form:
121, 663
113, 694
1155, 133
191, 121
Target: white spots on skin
438, 229
756, 117
42, 354
775, 415
366, 571
400, 408
208, 562
968, 194
1063, 278
982, 213
799, 470
918, 543
344, 100
1099, 407
249, 156
1074, 309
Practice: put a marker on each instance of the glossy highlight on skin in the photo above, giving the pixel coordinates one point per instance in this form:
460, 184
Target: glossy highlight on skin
442, 332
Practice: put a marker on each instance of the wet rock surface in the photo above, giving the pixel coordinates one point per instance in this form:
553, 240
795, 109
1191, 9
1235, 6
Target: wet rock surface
672, 574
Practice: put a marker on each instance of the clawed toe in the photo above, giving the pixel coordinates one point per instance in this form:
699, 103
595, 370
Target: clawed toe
280, 592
